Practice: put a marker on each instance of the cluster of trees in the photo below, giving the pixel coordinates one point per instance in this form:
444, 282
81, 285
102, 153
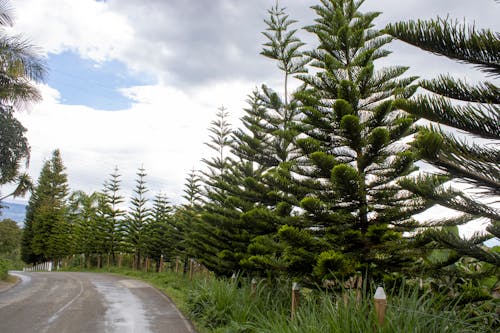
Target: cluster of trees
322, 182
319, 182
59, 224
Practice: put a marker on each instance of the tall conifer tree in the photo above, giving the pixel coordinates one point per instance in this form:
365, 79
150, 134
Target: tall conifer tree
110, 221
353, 152
206, 241
46, 218
160, 231
281, 118
138, 218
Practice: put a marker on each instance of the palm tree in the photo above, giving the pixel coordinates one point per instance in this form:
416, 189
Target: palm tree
20, 66
24, 184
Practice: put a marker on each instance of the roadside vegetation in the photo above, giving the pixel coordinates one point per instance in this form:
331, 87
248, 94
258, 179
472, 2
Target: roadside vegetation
231, 305
320, 185
10, 247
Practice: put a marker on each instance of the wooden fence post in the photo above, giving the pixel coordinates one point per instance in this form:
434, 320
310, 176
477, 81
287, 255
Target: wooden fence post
359, 287
295, 298
380, 304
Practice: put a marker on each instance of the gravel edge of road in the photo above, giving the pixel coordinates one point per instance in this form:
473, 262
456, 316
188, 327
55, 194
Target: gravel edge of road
4, 285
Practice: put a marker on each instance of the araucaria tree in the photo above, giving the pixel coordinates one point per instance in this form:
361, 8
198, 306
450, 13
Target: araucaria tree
160, 231
138, 219
46, 231
353, 153
110, 218
466, 148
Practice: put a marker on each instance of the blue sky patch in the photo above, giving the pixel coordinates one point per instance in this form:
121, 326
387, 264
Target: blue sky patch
84, 82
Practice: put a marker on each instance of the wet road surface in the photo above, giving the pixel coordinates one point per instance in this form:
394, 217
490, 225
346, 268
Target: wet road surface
87, 302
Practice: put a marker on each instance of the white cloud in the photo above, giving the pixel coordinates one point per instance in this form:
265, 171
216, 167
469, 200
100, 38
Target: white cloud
164, 130
84, 26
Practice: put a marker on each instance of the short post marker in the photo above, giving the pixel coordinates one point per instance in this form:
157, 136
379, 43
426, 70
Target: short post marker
380, 304
295, 298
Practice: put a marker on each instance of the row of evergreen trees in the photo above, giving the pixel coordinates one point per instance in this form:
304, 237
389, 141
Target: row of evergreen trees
59, 224
319, 182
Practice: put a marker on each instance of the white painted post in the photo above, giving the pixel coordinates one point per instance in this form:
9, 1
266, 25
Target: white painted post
380, 304
191, 268
295, 298
50, 266
253, 287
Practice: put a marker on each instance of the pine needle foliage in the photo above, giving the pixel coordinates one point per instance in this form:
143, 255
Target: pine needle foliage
352, 152
46, 235
466, 149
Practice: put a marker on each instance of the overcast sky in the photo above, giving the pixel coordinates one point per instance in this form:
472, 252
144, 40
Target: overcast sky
137, 82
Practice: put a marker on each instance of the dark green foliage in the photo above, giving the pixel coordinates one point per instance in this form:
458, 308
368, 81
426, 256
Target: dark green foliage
458, 152
139, 217
352, 152
10, 237
47, 235
110, 218
14, 145
10, 246
453, 40
160, 231
193, 191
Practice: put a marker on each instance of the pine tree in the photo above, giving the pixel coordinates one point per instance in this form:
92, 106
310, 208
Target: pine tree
160, 231
355, 211
204, 241
281, 118
27, 253
46, 222
185, 217
110, 217
459, 153
138, 219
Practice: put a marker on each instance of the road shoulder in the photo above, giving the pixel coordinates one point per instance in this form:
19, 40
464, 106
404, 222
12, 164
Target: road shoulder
11, 282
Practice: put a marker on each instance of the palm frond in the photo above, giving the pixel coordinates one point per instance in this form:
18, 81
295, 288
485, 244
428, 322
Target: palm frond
6, 13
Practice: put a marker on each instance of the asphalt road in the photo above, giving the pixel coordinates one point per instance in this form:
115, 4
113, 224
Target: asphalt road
86, 302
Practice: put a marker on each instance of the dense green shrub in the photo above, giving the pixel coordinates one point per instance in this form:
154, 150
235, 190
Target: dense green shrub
4, 268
